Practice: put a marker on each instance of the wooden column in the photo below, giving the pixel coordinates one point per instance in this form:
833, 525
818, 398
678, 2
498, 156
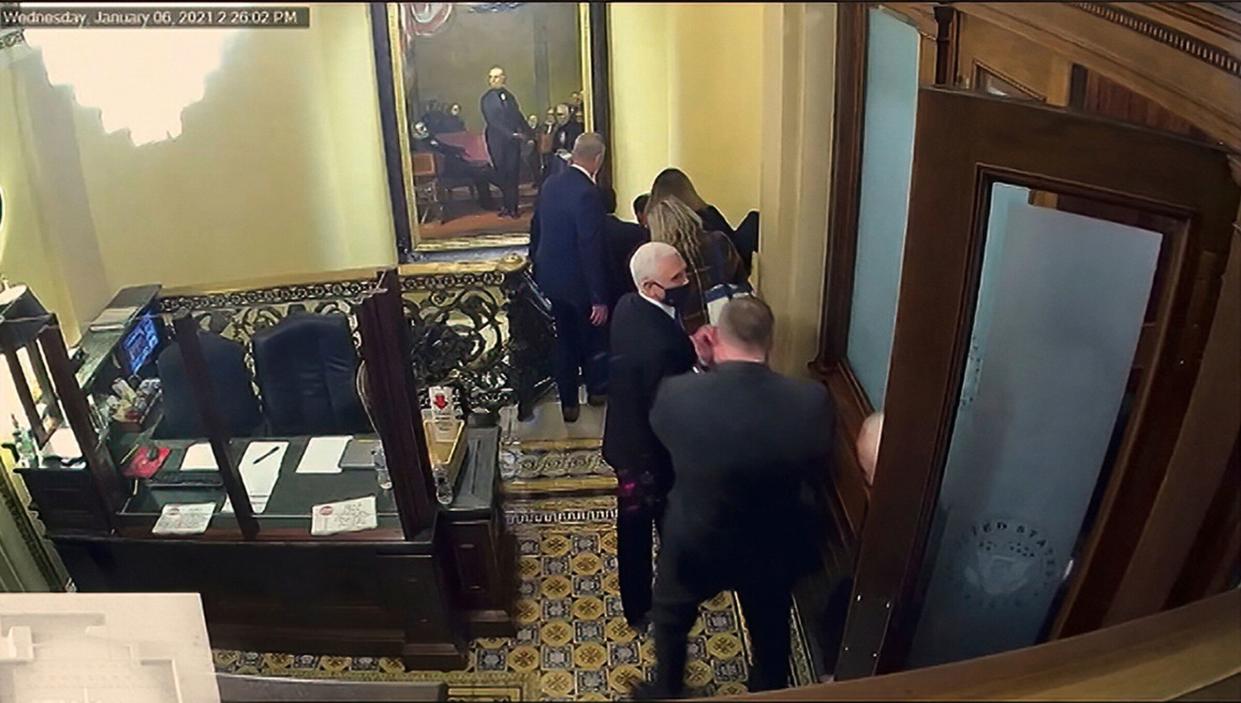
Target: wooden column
22, 386
948, 27
204, 397
851, 30
77, 412
393, 395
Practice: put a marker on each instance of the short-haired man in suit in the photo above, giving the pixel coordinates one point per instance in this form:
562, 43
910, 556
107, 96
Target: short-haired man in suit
570, 266
639, 209
505, 133
621, 239
648, 345
749, 447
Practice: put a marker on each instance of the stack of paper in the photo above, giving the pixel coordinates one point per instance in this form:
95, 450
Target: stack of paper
322, 455
184, 519
259, 468
344, 516
198, 457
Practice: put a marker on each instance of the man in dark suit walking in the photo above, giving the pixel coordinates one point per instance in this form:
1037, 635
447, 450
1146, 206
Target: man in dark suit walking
750, 448
621, 239
506, 132
648, 345
570, 266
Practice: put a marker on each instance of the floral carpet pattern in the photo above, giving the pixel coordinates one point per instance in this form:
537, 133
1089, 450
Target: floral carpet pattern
572, 641
516, 464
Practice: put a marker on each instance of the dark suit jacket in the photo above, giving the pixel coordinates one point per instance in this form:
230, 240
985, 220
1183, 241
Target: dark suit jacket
501, 112
504, 119
648, 345
564, 136
750, 448
713, 220
566, 241
621, 239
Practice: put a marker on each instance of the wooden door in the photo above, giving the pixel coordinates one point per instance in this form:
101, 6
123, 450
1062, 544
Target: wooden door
1058, 381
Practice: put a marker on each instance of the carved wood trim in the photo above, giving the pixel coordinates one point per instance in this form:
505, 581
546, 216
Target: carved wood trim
846, 182
1209, 53
947, 45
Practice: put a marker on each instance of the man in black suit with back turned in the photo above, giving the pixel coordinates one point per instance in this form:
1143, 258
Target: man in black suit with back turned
506, 132
648, 345
621, 239
750, 448
570, 266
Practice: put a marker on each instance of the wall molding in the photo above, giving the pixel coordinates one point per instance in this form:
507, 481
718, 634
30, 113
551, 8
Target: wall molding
1201, 50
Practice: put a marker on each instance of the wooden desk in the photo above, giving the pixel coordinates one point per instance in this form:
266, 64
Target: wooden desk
369, 593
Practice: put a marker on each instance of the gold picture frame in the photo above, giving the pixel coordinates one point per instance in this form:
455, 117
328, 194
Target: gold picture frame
395, 116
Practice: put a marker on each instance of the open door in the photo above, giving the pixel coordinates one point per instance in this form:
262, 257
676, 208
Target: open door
1064, 355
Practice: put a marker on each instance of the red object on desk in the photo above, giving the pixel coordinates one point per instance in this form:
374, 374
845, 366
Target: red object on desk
142, 467
474, 143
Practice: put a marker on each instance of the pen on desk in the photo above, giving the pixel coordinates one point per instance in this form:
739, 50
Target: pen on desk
266, 454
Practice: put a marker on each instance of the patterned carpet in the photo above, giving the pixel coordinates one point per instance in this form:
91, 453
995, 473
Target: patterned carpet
577, 471
572, 640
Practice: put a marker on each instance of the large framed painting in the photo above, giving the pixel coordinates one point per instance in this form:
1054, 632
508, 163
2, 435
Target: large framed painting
480, 103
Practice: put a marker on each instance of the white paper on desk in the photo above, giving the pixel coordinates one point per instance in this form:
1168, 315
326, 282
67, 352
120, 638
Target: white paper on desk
198, 457
322, 455
344, 516
257, 504
259, 468
184, 519
64, 444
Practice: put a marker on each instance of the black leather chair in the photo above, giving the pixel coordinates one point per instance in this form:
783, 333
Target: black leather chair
306, 366
230, 383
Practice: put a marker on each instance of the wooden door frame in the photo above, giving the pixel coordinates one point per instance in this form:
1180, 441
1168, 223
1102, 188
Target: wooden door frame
957, 133
937, 25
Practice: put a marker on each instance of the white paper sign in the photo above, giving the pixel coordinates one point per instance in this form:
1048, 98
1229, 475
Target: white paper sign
184, 519
443, 403
322, 455
344, 516
198, 457
259, 469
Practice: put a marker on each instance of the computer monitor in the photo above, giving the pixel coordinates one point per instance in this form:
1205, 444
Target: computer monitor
139, 344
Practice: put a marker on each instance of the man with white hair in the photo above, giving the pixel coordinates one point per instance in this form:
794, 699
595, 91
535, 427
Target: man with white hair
505, 133
648, 345
570, 266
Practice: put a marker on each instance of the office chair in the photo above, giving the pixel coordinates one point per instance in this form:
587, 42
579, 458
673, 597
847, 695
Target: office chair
230, 384
305, 366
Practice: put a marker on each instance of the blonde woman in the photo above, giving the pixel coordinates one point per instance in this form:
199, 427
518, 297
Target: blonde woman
673, 182
710, 257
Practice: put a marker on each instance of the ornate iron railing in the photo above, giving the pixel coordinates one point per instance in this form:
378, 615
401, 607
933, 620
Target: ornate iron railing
482, 327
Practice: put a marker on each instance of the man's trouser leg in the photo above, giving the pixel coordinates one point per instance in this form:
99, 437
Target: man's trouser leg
568, 354
673, 620
766, 611
634, 559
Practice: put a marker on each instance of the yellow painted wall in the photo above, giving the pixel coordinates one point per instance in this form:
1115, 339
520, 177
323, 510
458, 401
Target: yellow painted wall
740, 97
278, 170
686, 92
799, 88
638, 52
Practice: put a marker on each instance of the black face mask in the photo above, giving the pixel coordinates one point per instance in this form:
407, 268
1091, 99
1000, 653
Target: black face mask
676, 297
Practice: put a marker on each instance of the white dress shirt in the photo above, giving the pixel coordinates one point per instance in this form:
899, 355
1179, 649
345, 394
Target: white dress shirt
672, 312
589, 175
